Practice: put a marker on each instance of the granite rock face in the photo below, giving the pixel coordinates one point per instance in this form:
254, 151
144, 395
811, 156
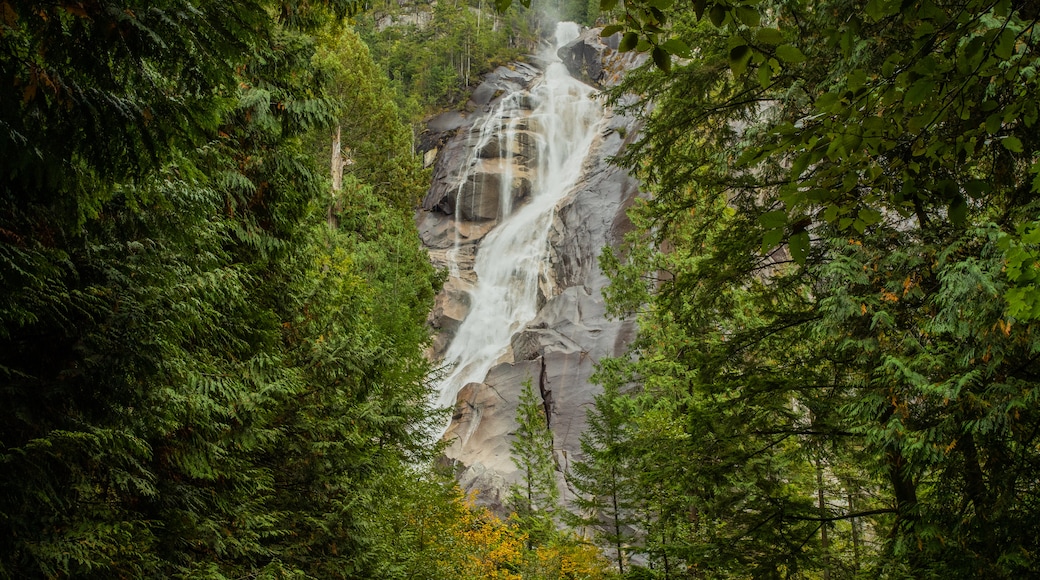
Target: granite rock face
557, 350
596, 60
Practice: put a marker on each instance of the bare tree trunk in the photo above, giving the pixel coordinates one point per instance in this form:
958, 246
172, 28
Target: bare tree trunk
824, 539
855, 536
336, 167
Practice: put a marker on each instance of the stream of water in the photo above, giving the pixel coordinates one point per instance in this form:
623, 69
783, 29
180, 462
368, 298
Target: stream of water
512, 258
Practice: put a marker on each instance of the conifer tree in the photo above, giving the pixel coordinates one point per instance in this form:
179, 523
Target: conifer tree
606, 500
199, 379
535, 498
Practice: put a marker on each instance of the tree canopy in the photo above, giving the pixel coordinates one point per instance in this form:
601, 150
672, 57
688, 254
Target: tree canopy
833, 276
201, 378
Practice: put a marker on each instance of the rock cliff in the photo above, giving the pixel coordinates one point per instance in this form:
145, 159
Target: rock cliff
558, 349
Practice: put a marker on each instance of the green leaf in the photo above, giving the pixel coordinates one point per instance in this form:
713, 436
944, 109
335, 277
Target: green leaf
611, 30
994, 122
769, 36
662, 4
662, 59
880, 9
1005, 44
765, 75
738, 59
1012, 144
628, 42
607, 5
799, 246
919, 92
926, 65
748, 15
717, 14
771, 220
789, 54
924, 29
827, 101
977, 188
800, 164
1030, 235
771, 239
698, 8
661, 19
869, 216
958, 211
857, 79
677, 47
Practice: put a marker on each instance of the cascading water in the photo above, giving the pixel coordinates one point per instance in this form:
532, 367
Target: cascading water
564, 125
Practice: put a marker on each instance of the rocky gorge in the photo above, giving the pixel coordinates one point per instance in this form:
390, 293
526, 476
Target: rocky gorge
530, 153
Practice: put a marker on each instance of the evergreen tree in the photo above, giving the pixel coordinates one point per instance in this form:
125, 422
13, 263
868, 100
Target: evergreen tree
199, 378
606, 500
837, 335
461, 44
535, 498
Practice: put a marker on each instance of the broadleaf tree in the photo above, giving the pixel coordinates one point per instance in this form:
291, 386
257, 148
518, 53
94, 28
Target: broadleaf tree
833, 273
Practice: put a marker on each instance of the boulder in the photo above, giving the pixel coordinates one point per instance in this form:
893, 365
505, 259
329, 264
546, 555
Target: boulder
532, 343
584, 57
521, 147
501, 81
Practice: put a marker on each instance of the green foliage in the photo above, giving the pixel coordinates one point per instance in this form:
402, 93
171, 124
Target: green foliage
534, 500
198, 377
607, 499
835, 280
459, 46
376, 139
71, 129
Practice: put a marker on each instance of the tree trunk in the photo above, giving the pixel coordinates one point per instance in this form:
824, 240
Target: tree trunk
617, 522
855, 536
336, 167
824, 539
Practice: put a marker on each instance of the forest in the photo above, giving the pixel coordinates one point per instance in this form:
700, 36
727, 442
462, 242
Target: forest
212, 339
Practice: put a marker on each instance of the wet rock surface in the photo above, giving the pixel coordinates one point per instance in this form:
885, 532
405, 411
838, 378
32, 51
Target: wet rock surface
557, 350
596, 60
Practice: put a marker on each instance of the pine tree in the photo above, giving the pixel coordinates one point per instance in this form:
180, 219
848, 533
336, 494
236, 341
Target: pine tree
606, 500
535, 498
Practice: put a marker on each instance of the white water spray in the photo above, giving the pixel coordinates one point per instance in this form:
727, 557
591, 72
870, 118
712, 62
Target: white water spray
565, 123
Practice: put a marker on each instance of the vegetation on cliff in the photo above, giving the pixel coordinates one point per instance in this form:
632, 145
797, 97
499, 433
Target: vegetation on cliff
434, 52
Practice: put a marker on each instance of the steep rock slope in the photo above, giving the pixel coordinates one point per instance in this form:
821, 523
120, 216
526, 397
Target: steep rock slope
558, 349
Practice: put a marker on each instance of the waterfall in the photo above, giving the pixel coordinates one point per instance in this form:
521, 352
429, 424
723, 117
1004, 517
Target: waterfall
564, 124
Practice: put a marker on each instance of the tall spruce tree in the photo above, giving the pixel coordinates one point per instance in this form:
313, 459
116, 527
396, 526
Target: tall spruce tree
535, 498
607, 500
